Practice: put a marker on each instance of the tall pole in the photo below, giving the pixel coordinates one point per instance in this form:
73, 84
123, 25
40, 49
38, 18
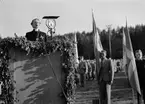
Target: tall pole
76, 48
109, 35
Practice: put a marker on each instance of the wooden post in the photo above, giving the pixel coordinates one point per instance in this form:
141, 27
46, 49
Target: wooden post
96, 101
76, 48
133, 97
110, 50
109, 35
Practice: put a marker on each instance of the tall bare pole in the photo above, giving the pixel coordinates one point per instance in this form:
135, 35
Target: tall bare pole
76, 48
109, 34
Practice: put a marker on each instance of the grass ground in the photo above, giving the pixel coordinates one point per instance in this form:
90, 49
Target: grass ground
121, 91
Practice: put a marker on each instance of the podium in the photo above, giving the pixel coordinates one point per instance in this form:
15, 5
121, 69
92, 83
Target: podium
35, 81
38, 72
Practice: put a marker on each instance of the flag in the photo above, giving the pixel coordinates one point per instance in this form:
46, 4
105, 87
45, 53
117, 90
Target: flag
97, 45
129, 63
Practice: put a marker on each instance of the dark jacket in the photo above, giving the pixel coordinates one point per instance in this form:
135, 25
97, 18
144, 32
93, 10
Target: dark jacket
141, 72
36, 35
82, 67
106, 72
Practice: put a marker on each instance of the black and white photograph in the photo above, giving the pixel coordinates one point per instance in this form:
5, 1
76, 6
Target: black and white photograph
72, 52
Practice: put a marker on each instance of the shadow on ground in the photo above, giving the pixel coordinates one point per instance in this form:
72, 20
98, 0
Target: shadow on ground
121, 91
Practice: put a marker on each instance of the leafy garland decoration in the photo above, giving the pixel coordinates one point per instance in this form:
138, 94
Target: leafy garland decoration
37, 48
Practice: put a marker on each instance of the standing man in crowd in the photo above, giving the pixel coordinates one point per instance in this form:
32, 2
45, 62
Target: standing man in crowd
36, 34
93, 64
106, 76
140, 64
89, 74
83, 70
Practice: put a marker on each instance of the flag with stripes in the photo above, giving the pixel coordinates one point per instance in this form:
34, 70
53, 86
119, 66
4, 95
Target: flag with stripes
97, 45
129, 63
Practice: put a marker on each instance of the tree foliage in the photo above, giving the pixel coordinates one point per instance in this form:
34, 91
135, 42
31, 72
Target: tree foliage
85, 41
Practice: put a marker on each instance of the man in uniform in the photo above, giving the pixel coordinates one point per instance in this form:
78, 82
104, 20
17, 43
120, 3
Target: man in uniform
93, 64
89, 74
106, 76
83, 70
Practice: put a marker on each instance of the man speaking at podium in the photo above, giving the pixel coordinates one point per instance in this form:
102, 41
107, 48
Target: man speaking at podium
36, 34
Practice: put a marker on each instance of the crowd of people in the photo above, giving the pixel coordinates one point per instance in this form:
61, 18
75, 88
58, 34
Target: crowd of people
85, 71
88, 69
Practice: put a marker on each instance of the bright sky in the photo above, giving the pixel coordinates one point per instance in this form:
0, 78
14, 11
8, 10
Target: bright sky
75, 15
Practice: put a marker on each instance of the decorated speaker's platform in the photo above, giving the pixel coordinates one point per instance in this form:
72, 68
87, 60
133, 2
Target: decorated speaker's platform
37, 73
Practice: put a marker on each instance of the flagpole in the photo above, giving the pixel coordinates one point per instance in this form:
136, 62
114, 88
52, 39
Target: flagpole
135, 85
96, 53
109, 34
133, 94
76, 49
97, 49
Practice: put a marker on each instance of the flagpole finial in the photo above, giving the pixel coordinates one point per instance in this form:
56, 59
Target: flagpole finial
92, 11
126, 20
109, 26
